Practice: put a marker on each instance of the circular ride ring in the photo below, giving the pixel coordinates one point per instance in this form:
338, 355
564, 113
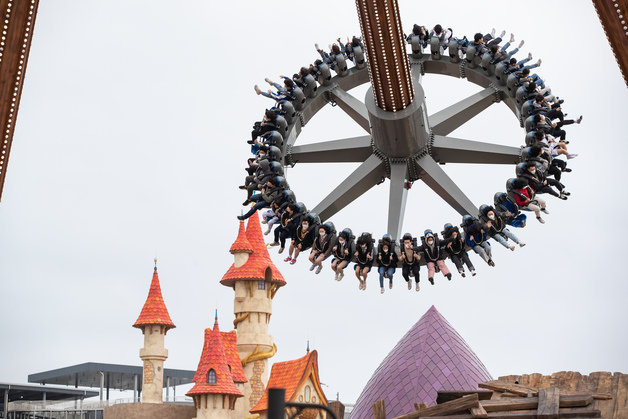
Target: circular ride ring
420, 160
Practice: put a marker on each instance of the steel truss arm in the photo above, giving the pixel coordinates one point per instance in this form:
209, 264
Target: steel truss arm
352, 107
454, 116
397, 198
367, 175
436, 178
457, 150
346, 150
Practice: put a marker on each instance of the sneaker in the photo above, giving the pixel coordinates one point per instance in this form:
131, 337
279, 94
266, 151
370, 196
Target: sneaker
512, 248
431, 280
312, 267
269, 81
342, 274
382, 291
257, 89
316, 46
241, 217
417, 287
563, 197
473, 273
571, 156
566, 193
336, 276
273, 244
493, 33
538, 63
579, 119
288, 259
521, 44
264, 221
529, 55
491, 263
545, 210
409, 285
542, 221
247, 202
501, 35
448, 276
521, 244
462, 274
567, 169
267, 232
242, 187
281, 249
512, 38
390, 284
364, 285
318, 269
293, 261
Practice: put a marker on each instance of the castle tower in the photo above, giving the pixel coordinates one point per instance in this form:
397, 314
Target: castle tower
255, 280
215, 390
154, 321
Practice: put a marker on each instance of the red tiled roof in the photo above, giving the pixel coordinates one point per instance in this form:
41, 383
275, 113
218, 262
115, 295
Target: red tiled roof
229, 340
255, 267
242, 243
154, 310
213, 357
291, 375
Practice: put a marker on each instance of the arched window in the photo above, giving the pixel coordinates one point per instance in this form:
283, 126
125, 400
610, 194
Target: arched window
268, 274
211, 377
308, 392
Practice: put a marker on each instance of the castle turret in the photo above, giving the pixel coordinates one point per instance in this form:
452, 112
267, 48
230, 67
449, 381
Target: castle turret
217, 378
154, 321
255, 280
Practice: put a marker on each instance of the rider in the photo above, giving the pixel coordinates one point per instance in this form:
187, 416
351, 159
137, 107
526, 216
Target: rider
410, 257
387, 260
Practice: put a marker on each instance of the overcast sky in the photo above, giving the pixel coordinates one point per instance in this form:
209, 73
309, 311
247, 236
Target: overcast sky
130, 144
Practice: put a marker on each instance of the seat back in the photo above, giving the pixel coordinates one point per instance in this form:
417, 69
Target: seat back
358, 56
341, 65
529, 124
325, 76
454, 50
512, 83
435, 47
312, 87
299, 98
486, 65
417, 47
289, 112
282, 124
530, 138
500, 73
470, 56
527, 108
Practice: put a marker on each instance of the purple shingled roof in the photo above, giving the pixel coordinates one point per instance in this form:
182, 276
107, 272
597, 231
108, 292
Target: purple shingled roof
432, 356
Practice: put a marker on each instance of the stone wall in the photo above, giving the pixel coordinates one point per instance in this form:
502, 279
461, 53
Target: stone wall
615, 384
149, 411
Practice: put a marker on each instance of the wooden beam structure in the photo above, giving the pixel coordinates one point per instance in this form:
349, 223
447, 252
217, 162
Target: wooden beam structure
613, 15
18, 21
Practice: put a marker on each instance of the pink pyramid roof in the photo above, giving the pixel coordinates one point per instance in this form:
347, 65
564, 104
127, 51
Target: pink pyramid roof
432, 356
255, 267
154, 310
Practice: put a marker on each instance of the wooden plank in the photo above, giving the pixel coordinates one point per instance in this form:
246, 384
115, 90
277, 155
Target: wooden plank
453, 406
445, 396
419, 406
379, 410
521, 403
509, 394
569, 413
549, 403
502, 386
575, 400
478, 412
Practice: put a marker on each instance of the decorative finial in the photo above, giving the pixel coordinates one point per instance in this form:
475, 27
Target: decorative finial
216, 318
308, 347
155, 265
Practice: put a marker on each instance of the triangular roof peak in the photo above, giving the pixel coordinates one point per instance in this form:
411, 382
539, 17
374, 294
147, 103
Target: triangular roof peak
291, 376
213, 375
259, 266
241, 244
154, 310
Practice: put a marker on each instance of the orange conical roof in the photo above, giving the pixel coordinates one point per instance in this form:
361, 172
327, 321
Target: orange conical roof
154, 310
258, 262
213, 358
242, 243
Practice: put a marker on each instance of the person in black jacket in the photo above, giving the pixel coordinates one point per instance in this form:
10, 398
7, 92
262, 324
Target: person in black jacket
434, 255
302, 239
321, 247
454, 243
496, 228
386, 260
288, 221
363, 258
476, 238
410, 260
342, 252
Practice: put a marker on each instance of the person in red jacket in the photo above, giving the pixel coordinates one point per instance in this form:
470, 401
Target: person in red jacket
527, 199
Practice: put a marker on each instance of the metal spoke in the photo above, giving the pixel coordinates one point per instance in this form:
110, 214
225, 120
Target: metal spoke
454, 116
367, 175
457, 150
346, 150
352, 107
435, 177
397, 198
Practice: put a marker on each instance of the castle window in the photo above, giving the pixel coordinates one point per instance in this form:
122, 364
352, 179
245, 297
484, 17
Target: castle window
308, 392
261, 285
211, 377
